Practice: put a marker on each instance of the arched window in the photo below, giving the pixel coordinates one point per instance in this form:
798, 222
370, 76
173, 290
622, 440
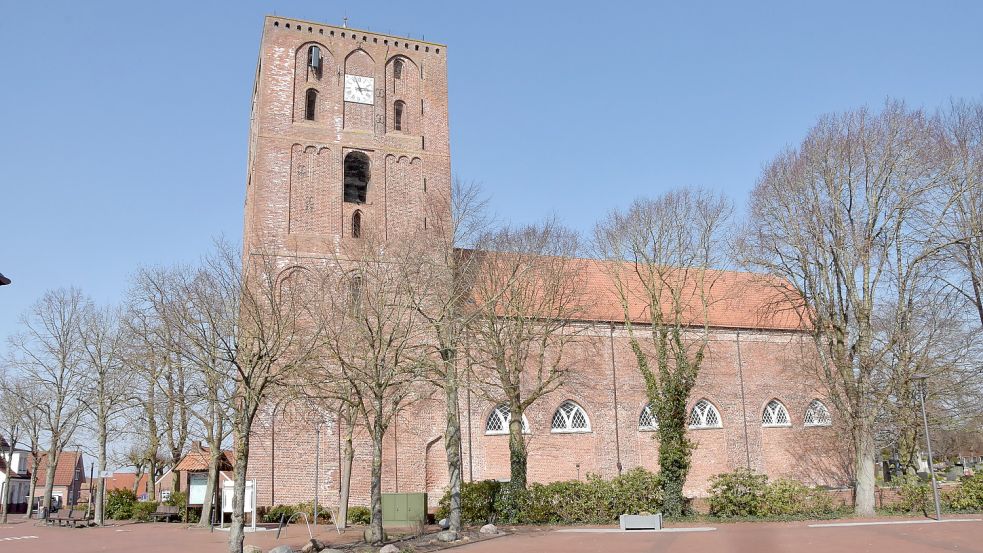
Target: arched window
775, 414
570, 417
647, 421
311, 104
356, 177
704, 415
817, 414
499, 419
314, 59
398, 69
398, 115
357, 224
355, 292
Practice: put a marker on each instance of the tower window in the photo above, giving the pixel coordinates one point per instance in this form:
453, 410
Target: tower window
356, 177
398, 69
314, 59
357, 224
311, 104
398, 115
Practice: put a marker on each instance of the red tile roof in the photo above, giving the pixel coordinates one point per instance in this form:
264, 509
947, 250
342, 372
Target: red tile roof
125, 481
65, 472
197, 459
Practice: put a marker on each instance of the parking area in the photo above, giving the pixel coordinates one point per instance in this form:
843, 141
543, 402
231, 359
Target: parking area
726, 538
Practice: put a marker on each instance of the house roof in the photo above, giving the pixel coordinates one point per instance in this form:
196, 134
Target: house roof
65, 473
125, 481
731, 299
197, 459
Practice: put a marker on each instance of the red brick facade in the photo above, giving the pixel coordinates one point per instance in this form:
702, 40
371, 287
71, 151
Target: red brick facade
294, 209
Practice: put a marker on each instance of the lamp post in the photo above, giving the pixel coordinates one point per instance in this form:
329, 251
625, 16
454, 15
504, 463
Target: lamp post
921, 378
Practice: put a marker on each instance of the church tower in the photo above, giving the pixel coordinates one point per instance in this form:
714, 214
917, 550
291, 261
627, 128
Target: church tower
348, 134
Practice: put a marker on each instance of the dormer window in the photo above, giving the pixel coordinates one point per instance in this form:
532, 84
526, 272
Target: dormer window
314, 60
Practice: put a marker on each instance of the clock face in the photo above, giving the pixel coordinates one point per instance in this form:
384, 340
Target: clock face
359, 89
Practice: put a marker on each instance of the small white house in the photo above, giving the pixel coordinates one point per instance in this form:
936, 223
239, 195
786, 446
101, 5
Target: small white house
20, 478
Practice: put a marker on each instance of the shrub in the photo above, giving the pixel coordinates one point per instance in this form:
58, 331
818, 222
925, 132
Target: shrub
968, 496
737, 494
477, 502
508, 506
143, 509
273, 514
119, 504
785, 497
177, 499
359, 515
914, 494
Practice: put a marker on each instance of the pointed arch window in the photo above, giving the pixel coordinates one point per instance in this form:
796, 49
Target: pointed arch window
314, 59
570, 417
704, 415
355, 292
357, 224
398, 108
356, 177
647, 421
398, 69
310, 104
817, 414
499, 419
775, 414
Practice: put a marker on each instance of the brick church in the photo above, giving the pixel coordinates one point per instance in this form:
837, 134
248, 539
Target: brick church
349, 129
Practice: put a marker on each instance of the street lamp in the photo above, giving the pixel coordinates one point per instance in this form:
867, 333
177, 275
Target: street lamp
921, 378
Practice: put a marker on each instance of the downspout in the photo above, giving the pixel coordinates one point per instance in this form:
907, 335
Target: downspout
273, 455
740, 377
470, 445
396, 450
614, 389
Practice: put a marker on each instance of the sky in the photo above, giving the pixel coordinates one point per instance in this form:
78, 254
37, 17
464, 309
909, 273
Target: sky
123, 125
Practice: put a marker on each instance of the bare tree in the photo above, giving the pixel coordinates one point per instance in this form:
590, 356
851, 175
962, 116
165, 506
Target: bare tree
30, 398
372, 341
660, 255
107, 395
439, 280
847, 218
50, 352
527, 292
17, 405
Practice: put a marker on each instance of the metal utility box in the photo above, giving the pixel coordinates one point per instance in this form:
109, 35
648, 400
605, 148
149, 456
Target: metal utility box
404, 509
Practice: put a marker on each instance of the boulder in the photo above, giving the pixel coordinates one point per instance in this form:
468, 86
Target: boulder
444, 524
488, 529
447, 536
312, 546
282, 549
331, 550
251, 549
389, 549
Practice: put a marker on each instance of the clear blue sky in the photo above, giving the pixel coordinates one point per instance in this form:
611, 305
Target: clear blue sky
123, 124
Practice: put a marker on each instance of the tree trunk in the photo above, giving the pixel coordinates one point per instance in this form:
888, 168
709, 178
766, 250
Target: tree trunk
347, 457
376, 527
49, 479
518, 455
236, 529
100, 517
33, 485
865, 452
452, 442
6, 487
215, 453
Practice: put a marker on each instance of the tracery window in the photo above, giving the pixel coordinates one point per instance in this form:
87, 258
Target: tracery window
775, 414
704, 415
499, 419
647, 420
817, 414
570, 417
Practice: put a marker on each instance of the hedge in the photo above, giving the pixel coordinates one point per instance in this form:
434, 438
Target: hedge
745, 493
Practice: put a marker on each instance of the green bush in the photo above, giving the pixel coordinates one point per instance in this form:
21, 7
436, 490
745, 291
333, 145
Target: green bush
119, 504
359, 515
477, 502
273, 513
737, 494
143, 509
785, 497
177, 499
968, 496
914, 495
509, 504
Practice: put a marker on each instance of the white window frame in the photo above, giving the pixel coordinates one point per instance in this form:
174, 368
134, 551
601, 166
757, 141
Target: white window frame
701, 411
771, 414
503, 414
811, 411
648, 412
567, 418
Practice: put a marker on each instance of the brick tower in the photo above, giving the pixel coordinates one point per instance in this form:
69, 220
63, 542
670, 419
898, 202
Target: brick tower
348, 133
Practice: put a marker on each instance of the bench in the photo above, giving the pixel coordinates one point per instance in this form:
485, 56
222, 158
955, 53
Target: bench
166, 512
72, 519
